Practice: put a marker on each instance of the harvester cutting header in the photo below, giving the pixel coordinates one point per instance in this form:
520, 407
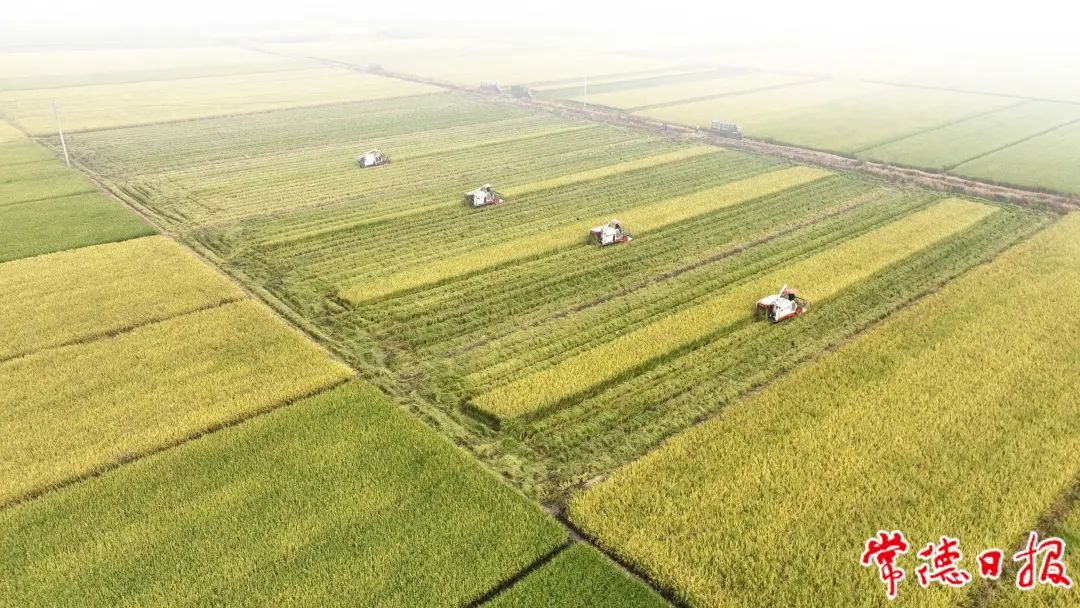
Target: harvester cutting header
611, 234
372, 158
483, 196
783, 305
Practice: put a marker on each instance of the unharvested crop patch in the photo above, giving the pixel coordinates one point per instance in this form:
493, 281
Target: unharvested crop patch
74, 409
93, 291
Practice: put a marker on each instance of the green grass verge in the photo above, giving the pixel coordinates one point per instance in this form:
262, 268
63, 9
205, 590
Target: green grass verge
580, 577
339, 499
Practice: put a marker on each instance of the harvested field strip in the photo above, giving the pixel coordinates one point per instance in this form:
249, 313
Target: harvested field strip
333, 179
46, 226
579, 576
624, 421
339, 495
93, 291
525, 353
348, 256
818, 276
645, 218
806, 455
594, 174
437, 320
210, 141
74, 409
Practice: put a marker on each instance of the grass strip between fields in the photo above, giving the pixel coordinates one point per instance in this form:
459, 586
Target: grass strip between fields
639, 219
75, 409
579, 576
819, 277
338, 499
956, 416
93, 291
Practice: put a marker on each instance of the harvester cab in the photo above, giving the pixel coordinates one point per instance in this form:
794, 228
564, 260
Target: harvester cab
611, 234
483, 196
372, 158
782, 306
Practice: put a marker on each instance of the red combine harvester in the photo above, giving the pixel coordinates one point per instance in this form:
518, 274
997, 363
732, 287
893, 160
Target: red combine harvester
372, 158
783, 305
611, 234
483, 196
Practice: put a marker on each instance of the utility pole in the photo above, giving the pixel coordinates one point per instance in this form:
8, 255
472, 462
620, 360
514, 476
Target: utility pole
60, 130
585, 97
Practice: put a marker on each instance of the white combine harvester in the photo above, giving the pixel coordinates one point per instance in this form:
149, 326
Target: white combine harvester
372, 158
611, 234
483, 196
783, 306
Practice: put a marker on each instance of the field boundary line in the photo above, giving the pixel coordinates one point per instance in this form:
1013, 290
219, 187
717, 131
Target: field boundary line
129, 457
1013, 144
1058, 509
502, 586
678, 102
90, 190
937, 127
126, 329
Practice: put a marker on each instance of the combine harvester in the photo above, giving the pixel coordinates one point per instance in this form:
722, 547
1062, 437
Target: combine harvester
783, 305
483, 196
726, 129
372, 158
611, 234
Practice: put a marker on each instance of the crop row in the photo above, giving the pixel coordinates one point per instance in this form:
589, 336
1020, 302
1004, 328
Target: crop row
959, 391
643, 219
532, 349
172, 146
820, 277
145, 388
437, 319
345, 257
625, 420
93, 291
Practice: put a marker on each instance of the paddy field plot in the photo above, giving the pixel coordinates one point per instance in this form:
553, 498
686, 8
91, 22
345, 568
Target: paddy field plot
680, 92
1046, 161
876, 435
116, 105
75, 409
968, 139
96, 291
342, 498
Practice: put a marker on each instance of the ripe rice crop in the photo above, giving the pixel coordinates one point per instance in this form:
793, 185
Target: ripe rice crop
93, 291
34, 170
56, 186
680, 92
115, 105
819, 277
77, 408
19, 150
953, 417
1047, 161
642, 219
579, 576
339, 499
